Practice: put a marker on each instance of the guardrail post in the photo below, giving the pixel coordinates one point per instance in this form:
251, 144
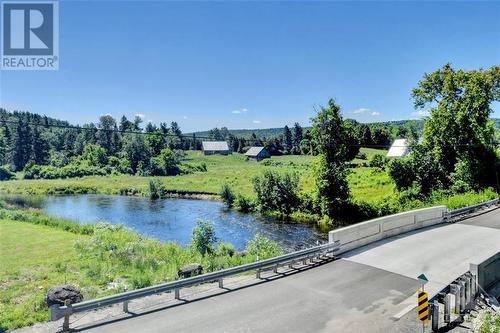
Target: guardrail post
462, 296
455, 288
290, 264
66, 317
435, 315
177, 294
447, 315
221, 283
304, 261
474, 286
125, 303
275, 269
257, 274
468, 298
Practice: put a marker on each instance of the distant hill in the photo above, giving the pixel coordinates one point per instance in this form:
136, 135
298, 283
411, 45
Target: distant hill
247, 133
272, 132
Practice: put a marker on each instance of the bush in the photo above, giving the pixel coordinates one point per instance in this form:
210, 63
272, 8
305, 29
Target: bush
187, 168
361, 156
277, 192
5, 174
165, 164
262, 247
155, 189
401, 171
76, 169
227, 195
203, 238
378, 161
244, 204
225, 249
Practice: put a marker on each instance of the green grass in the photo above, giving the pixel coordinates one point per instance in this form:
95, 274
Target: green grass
33, 258
38, 252
233, 170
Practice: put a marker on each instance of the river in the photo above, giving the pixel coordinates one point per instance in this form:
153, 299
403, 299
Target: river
174, 219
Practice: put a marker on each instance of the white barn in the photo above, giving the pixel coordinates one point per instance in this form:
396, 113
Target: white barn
399, 148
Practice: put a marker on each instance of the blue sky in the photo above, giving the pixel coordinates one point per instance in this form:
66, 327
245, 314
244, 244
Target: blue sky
251, 64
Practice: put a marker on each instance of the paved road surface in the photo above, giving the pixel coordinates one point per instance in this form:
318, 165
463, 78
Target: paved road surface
367, 291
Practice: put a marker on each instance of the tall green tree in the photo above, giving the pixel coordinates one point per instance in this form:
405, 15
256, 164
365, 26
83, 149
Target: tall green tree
287, 140
297, 136
331, 136
459, 132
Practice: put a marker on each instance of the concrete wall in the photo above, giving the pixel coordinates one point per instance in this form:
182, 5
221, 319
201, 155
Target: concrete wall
364, 233
488, 274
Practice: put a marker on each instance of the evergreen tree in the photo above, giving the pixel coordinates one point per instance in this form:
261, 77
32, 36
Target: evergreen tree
287, 140
297, 138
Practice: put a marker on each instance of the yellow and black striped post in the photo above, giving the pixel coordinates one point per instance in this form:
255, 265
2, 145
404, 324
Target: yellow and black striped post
423, 306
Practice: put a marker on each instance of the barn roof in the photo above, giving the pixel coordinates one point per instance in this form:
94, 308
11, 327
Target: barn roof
215, 145
399, 148
254, 151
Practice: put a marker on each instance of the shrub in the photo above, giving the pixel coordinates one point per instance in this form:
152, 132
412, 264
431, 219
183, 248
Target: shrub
165, 164
227, 195
401, 171
203, 237
262, 247
378, 161
5, 174
155, 189
361, 156
277, 192
244, 204
225, 249
76, 169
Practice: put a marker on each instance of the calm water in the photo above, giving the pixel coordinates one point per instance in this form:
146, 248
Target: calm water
174, 219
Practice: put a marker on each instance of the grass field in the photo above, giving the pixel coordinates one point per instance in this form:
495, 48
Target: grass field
234, 170
25, 274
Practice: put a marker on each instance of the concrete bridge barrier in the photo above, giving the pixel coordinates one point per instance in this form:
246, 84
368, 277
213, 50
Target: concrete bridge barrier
487, 274
367, 232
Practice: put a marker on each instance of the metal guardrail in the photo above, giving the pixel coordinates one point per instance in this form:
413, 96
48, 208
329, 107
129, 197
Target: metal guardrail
470, 209
57, 312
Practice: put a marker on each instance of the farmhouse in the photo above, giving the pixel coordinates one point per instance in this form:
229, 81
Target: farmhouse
257, 153
215, 147
399, 148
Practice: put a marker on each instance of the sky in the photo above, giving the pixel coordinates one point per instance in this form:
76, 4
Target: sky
251, 64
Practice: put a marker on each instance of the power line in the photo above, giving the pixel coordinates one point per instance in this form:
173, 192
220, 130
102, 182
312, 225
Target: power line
190, 136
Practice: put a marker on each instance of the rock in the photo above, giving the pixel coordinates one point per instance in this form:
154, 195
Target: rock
62, 295
190, 270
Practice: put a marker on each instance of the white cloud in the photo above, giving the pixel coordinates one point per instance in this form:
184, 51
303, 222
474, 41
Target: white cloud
239, 111
420, 113
361, 110
375, 113
140, 115
184, 117
256, 121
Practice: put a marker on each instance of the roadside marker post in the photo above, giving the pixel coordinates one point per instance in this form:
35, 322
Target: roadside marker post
423, 302
423, 306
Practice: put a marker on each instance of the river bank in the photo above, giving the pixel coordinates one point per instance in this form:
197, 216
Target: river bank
100, 259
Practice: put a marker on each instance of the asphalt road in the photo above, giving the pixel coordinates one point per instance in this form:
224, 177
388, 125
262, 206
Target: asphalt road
372, 289
340, 296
